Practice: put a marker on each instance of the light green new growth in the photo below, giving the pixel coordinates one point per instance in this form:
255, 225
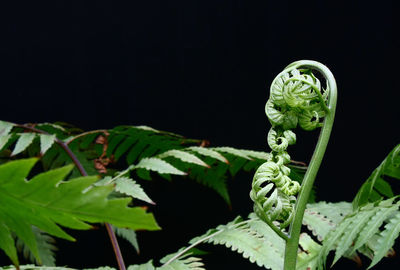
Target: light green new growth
296, 98
271, 237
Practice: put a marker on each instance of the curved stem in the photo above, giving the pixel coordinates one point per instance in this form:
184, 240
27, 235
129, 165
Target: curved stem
83, 172
294, 232
85, 134
270, 224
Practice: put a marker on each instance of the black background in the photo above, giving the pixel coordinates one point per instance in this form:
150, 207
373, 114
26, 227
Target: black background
201, 69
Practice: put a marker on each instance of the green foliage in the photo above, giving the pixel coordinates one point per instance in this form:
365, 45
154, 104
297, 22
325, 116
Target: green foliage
45, 245
34, 267
32, 210
241, 237
129, 235
45, 201
358, 228
23, 140
158, 165
308, 256
126, 185
184, 262
376, 187
258, 243
320, 218
145, 148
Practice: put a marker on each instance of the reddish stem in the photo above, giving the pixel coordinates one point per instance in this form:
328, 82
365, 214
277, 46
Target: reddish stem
75, 160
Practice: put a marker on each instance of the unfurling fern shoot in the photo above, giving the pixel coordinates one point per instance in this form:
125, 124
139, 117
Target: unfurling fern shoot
296, 99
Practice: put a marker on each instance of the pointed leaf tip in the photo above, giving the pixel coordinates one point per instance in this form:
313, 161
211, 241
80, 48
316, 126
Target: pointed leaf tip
23, 142
46, 141
184, 156
158, 165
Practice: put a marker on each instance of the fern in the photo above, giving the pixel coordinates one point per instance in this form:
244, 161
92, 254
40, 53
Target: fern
158, 165
152, 150
129, 235
34, 144
45, 245
320, 218
308, 256
359, 228
126, 185
34, 267
257, 242
45, 201
239, 236
139, 142
185, 262
183, 156
386, 239
23, 140
376, 187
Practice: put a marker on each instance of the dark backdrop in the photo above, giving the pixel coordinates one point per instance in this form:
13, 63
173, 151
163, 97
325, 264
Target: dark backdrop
201, 69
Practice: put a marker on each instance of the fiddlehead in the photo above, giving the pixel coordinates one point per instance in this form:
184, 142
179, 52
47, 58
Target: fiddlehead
296, 98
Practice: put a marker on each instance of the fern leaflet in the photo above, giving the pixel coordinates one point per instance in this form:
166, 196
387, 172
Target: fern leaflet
376, 187
129, 235
386, 239
45, 245
360, 227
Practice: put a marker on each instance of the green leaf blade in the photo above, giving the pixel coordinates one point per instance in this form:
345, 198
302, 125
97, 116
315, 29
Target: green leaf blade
129, 187
23, 142
47, 202
158, 165
46, 141
184, 156
386, 239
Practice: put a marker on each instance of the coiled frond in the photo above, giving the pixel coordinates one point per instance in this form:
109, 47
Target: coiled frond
296, 98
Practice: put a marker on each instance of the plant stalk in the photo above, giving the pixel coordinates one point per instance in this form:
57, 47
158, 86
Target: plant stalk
292, 243
75, 160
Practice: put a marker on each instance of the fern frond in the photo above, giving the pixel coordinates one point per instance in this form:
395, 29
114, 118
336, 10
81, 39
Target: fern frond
358, 227
319, 225
239, 236
136, 143
45, 245
375, 187
129, 235
184, 262
373, 225
33, 144
333, 211
320, 218
355, 225
386, 239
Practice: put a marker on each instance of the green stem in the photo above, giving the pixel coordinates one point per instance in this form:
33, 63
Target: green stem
270, 224
292, 243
